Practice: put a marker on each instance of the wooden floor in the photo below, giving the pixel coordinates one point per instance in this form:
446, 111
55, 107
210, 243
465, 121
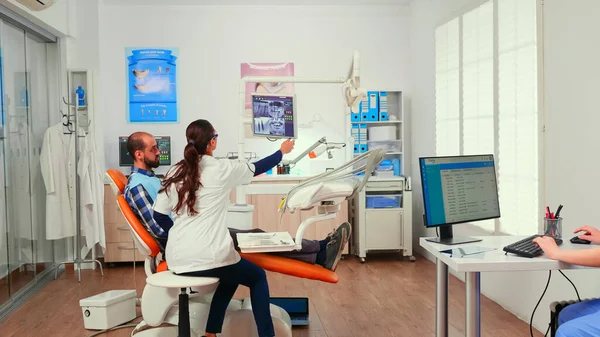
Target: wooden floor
384, 297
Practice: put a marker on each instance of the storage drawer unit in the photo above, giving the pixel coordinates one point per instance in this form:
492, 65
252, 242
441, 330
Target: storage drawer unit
381, 216
119, 242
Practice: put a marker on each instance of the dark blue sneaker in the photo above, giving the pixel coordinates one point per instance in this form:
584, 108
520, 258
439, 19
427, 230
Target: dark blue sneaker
336, 246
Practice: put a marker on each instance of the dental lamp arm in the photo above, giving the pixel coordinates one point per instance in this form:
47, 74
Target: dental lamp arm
305, 153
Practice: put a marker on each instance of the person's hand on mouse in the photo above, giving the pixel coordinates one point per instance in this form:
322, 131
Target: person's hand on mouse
548, 245
287, 146
590, 233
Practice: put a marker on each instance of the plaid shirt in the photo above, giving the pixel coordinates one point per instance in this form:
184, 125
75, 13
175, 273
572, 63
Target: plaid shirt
141, 203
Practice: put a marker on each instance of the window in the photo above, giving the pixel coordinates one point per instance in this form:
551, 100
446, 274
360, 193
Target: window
486, 102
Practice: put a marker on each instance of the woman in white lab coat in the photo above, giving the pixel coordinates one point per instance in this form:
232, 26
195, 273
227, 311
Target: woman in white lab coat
196, 193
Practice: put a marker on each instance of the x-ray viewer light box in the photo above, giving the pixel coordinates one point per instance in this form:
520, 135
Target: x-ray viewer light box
274, 115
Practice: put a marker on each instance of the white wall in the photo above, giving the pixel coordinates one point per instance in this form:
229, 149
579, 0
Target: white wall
571, 117
214, 40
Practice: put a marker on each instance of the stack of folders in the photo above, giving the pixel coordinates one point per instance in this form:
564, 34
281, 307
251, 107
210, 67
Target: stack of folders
359, 133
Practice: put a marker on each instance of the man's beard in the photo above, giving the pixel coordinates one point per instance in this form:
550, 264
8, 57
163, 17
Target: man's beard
154, 164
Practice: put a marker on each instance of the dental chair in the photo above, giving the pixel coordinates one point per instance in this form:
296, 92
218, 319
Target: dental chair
170, 301
184, 302
118, 181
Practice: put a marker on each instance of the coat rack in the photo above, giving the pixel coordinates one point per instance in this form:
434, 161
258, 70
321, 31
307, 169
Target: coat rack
72, 120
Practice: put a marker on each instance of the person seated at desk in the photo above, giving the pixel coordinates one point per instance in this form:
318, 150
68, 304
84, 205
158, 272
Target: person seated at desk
580, 319
143, 186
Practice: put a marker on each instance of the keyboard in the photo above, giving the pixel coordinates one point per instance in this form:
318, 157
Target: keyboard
527, 248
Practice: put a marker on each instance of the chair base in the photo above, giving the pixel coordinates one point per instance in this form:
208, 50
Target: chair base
239, 321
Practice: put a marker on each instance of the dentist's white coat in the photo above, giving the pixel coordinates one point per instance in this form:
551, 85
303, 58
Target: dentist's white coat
58, 166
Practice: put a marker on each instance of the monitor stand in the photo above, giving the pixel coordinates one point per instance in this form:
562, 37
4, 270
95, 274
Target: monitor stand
446, 237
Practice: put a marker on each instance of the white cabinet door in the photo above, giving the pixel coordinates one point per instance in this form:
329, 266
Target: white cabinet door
384, 229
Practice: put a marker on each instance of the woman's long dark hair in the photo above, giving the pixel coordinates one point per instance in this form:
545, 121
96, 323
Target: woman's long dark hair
187, 171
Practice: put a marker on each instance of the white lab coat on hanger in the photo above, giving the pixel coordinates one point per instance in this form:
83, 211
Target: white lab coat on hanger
92, 214
58, 166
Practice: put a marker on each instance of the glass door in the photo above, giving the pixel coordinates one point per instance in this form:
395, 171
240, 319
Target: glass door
21, 269
4, 279
38, 121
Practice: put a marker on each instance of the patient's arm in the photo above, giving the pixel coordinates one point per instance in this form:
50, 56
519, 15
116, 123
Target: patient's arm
162, 220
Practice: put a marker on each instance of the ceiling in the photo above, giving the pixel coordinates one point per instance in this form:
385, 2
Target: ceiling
256, 2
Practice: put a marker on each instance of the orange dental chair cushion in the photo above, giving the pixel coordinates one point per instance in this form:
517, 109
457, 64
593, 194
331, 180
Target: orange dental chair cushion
118, 178
284, 265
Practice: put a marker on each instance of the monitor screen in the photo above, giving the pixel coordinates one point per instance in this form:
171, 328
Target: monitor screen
274, 116
162, 142
459, 189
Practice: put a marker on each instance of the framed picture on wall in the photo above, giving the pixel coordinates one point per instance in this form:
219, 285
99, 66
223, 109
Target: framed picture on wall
152, 85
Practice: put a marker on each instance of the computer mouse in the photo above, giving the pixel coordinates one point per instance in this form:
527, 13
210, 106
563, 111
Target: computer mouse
577, 240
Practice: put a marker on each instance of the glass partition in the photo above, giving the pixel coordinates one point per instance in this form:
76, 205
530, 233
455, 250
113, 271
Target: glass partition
16, 148
28, 84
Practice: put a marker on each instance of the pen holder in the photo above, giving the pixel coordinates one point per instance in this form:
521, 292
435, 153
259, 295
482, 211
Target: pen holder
553, 227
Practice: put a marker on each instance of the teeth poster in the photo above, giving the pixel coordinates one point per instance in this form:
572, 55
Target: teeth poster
266, 69
152, 85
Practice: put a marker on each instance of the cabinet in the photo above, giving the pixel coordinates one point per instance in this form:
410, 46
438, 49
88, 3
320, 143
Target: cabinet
119, 242
388, 228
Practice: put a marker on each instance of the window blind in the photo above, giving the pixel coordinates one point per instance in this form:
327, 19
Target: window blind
518, 117
447, 89
481, 110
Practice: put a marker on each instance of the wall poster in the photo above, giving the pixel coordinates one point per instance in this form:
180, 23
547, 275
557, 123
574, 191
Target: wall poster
266, 69
152, 85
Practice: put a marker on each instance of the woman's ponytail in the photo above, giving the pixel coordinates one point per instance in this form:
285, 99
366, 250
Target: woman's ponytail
186, 175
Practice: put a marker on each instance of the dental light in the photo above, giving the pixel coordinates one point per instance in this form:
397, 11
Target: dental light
352, 94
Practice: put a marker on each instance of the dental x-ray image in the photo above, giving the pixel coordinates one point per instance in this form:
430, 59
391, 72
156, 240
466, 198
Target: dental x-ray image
273, 116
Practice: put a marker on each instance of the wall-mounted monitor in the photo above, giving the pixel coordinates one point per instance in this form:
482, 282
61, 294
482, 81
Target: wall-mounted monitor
162, 142
274, 116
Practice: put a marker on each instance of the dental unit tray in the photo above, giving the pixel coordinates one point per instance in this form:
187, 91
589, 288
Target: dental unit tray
265, 242
325, 191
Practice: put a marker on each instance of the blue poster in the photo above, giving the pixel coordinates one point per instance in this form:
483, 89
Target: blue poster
152, 85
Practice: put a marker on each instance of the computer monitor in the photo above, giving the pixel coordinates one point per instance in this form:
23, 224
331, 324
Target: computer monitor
458, 189
162, 142
274, 116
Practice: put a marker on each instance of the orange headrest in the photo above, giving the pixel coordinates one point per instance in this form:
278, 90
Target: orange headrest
118, 178
140, 231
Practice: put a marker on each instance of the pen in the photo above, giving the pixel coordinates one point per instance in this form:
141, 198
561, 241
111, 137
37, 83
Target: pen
558, 211
547, 212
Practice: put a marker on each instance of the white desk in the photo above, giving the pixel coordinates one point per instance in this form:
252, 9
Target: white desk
492, 261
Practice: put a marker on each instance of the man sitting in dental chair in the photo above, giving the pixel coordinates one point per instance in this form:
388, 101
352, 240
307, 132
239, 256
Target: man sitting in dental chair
143, 186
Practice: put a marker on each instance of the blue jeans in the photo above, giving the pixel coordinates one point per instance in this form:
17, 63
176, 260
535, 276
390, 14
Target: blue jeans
580, 320
245, 273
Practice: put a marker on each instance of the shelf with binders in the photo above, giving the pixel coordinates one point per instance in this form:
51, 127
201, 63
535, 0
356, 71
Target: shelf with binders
379, 123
